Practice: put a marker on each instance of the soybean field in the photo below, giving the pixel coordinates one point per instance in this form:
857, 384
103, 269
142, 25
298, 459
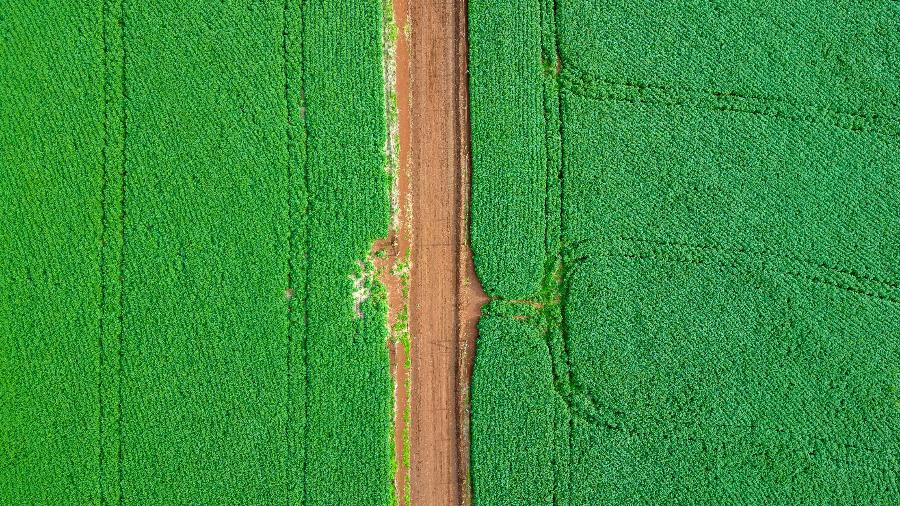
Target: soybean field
188, 311
489, 252
685, 214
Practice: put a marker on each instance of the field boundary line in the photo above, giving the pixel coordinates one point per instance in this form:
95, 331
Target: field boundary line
294, 302
112, 244
585, 406
298, 222
104, 231
122, 219
555, 270
742, 260
288, 294
723, 249
587, 85
564, 268
593, 417
306, 245
888, 284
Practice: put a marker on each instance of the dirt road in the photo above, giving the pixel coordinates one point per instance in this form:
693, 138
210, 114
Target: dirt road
444, 293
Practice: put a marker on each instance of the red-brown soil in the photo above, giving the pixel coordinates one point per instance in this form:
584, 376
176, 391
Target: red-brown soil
445, 297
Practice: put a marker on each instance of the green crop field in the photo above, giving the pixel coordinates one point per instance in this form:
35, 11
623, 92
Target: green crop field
188, 194
696, 280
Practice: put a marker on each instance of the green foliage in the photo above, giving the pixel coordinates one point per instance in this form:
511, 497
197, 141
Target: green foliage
508, 160
512, 415
51, 159
349, 392
723, 329
189, 190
